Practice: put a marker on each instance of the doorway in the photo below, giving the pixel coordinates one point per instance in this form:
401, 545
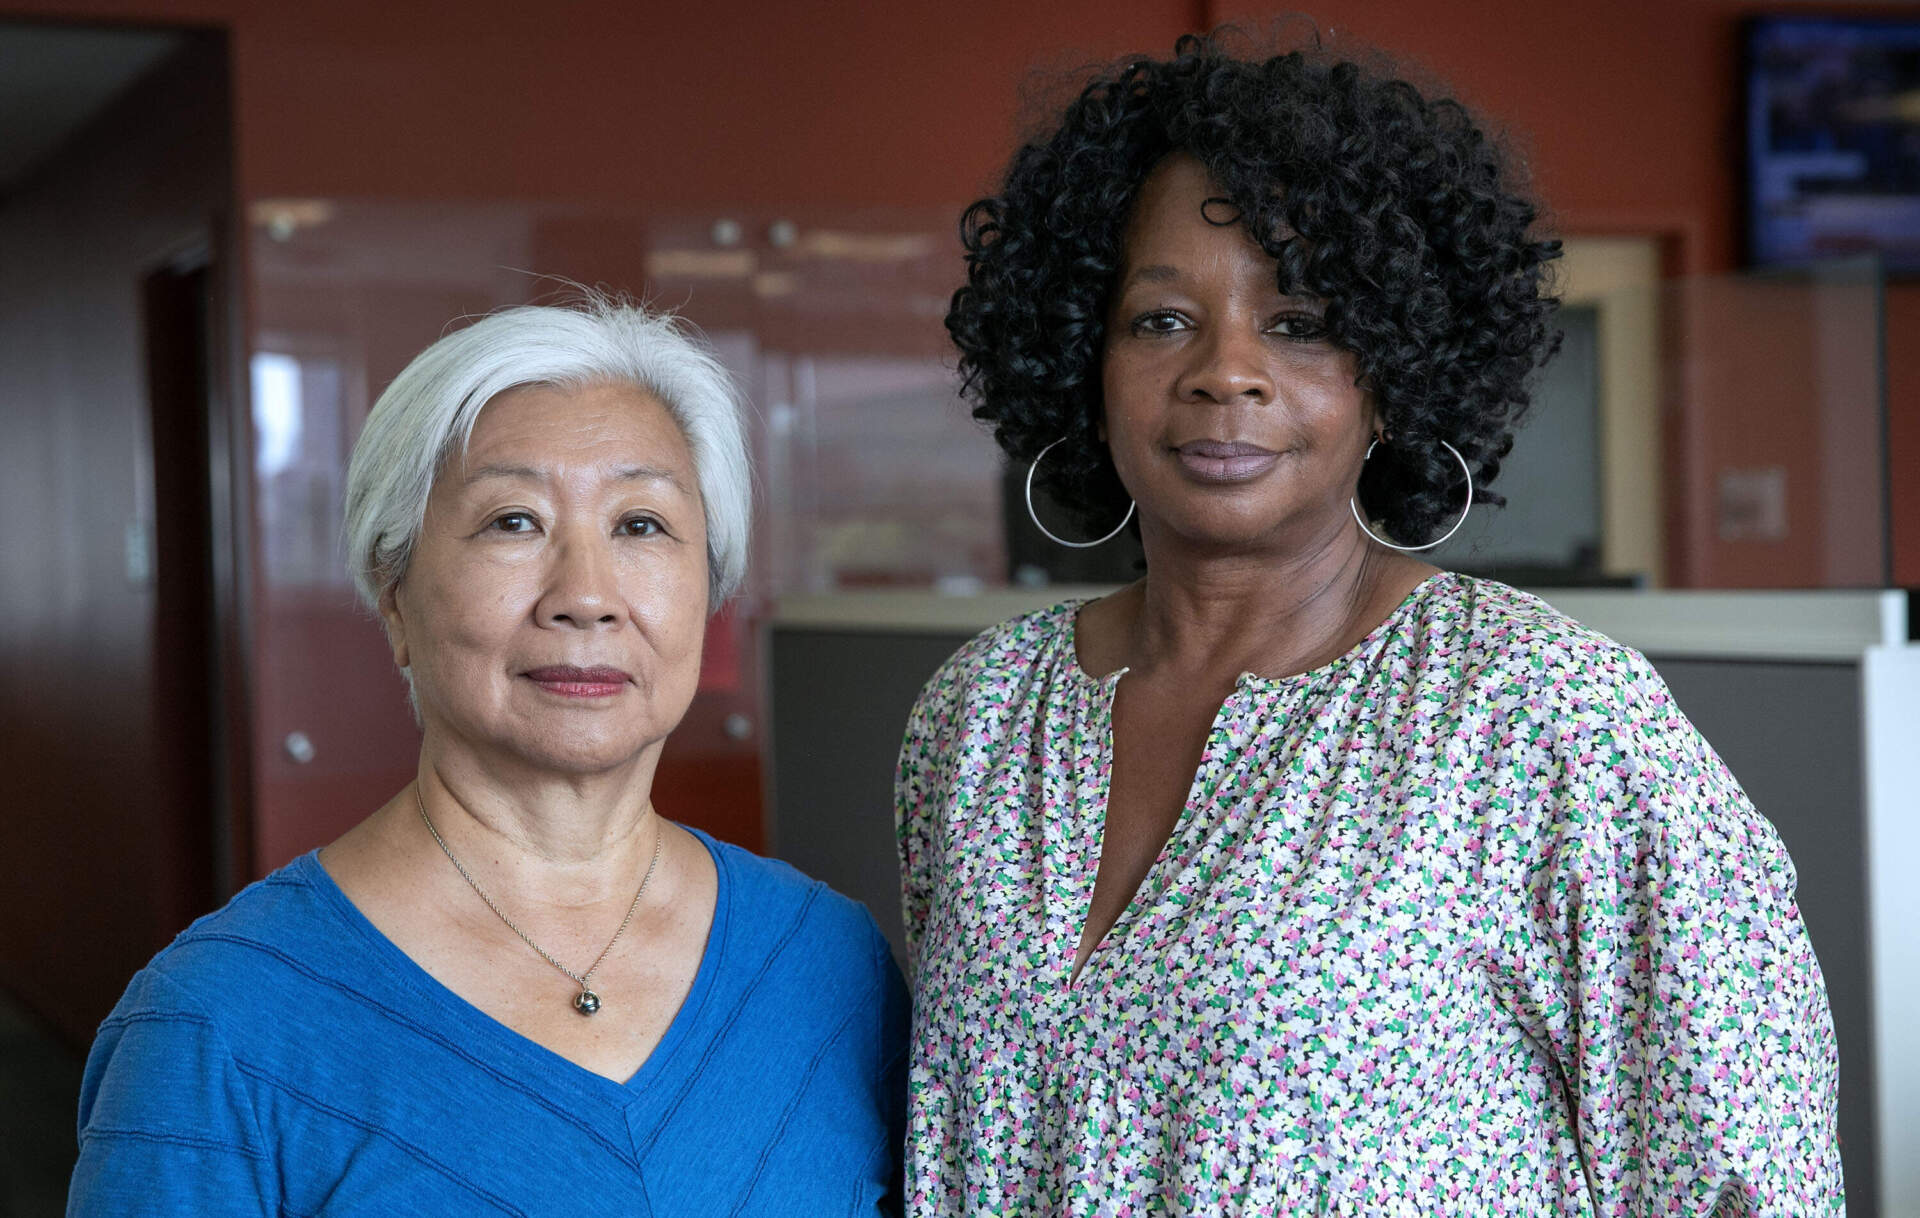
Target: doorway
118, 565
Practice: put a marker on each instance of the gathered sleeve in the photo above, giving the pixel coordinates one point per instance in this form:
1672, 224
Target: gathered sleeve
1654, 949
920, 792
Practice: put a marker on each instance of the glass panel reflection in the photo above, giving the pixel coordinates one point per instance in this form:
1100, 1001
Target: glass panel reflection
1777, 416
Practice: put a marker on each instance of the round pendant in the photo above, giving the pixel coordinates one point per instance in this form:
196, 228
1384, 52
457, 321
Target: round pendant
586, 1002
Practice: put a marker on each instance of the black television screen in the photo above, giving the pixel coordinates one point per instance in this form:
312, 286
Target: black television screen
1833, 140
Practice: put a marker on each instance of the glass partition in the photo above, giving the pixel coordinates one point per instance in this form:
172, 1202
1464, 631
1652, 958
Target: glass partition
1775, 402
1710, 432
1737, 442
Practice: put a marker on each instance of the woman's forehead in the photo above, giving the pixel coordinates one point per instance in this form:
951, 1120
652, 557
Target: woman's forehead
541, 431
472, 475
1181, 220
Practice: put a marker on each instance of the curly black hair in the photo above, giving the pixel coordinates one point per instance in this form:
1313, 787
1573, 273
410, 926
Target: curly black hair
1396, 210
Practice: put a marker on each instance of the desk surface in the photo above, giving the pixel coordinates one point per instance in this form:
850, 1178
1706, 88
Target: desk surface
1792, 625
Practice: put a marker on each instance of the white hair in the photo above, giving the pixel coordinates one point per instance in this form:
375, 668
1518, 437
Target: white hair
426, 416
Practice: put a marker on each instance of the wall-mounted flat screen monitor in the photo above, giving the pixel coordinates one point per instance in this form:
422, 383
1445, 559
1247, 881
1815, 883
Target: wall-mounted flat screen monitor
1833, 140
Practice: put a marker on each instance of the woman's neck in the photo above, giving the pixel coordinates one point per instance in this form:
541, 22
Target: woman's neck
1215, 615
568, 839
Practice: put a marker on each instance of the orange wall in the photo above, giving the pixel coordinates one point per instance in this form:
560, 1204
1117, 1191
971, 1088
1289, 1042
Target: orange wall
1622, 111
807, 101
1626, 112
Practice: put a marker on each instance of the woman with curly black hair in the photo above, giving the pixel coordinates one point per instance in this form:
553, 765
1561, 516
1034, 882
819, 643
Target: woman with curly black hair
1300, 876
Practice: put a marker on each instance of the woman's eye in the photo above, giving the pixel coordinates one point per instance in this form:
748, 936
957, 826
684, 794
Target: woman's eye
513, 522
1160, 321
1301, 326
639, 526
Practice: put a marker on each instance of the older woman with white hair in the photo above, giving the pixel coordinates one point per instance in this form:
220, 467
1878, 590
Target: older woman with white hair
517, 988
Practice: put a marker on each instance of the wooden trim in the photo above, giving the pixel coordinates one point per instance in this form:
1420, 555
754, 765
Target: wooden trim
1619, 278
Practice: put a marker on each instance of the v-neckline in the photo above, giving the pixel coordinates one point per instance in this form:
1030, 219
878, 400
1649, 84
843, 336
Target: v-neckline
1108, 687
1097, 831
540, 1065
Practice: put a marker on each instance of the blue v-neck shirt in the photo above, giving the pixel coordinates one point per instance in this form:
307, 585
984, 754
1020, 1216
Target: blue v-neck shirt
282, 1056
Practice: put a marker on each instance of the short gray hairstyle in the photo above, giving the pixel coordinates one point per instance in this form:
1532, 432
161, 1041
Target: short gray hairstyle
427, 414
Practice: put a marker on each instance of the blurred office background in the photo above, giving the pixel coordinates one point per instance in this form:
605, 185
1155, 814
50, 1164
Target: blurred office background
226, 224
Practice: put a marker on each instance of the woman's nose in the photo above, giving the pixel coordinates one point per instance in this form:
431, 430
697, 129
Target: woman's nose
581, 590
1228, 363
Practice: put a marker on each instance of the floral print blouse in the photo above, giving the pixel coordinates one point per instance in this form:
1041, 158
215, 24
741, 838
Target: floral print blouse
1469, 921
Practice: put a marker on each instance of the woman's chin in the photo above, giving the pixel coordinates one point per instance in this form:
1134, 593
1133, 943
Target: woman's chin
581, 758
573, 750
1256, 516
1229, 529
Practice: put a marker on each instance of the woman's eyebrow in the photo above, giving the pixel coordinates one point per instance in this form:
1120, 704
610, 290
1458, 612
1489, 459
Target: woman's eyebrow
522, 472
649, 473
1154, 272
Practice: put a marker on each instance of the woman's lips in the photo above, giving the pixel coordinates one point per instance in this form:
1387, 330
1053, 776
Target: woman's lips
571, 682
1224, 460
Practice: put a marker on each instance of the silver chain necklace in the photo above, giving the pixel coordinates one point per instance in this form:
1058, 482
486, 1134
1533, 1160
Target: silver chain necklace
586, 1001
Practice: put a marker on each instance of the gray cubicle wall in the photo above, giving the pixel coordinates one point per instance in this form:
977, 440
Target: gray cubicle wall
1792, 734
839, 703
1790, 731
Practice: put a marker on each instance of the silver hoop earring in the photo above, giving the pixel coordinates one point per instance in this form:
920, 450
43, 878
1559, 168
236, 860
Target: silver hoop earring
1051, 535
1354, 503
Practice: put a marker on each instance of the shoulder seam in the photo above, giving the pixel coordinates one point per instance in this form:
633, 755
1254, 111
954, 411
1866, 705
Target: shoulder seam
994, 637
173, 1139
156, 1016
199, 1015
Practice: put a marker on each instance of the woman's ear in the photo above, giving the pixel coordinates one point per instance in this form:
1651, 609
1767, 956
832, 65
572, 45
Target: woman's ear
395, 623
1376, 421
